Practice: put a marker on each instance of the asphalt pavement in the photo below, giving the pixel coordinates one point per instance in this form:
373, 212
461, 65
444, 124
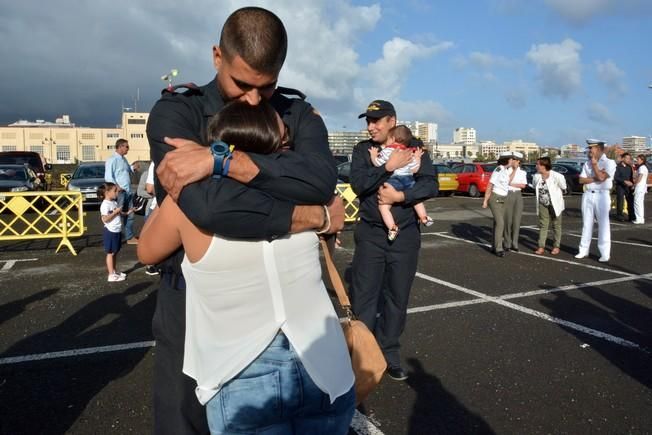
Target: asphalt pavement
520, 344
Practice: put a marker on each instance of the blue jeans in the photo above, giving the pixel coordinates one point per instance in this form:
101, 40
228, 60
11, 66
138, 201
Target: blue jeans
401, 182
275, 396
126, 201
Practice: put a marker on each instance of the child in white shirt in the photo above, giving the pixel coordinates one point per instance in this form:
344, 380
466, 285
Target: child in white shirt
111, 233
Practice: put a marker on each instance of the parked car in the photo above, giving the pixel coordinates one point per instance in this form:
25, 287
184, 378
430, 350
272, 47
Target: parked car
344, 172
19, 178
30, 158
86, 179
447, 179
572, 175
530, 169
473, 178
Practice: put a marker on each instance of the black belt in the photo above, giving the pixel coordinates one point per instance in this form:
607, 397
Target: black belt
174, 280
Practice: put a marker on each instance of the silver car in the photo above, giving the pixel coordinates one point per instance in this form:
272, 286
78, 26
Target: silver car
86, 179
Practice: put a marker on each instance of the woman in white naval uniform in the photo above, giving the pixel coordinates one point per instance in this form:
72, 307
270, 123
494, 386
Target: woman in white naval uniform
597, 177
262, 339
640, 189
495, 197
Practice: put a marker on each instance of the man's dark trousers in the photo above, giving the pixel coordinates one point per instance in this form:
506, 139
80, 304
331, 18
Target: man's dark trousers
624, 194
171, 383
384, 269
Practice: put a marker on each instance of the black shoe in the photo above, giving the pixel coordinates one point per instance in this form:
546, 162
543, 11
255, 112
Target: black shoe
514, 249
500, 253
397, 373
151, 270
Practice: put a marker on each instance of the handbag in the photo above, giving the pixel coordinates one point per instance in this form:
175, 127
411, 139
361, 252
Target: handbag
367, 360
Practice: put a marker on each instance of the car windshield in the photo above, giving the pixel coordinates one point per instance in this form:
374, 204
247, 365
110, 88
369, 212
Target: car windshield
443, 169
488, 168
89, 172
12, 174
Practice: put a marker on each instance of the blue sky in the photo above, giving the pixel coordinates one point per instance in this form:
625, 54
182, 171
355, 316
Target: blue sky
549, 71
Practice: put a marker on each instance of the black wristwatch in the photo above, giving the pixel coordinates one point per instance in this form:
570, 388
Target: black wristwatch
221, 158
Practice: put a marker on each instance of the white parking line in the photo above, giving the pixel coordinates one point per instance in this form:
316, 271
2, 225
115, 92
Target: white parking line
643, 245
362, 426
647, 276
538, 314
8, 264
542, 257
75, 352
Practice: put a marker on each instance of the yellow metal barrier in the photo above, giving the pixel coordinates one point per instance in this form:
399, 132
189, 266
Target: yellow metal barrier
41, 215
64, 179
351, 205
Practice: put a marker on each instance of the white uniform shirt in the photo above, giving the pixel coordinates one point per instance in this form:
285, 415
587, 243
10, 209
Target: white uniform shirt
106, 208
240, 293
604, 164
519, 178
641, 185
500, 180
150, 180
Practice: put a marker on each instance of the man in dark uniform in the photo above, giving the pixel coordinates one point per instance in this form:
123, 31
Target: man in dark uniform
231, 194
383, 271
624, 180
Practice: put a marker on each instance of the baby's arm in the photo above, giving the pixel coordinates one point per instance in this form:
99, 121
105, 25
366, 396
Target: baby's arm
373, 154
416, 159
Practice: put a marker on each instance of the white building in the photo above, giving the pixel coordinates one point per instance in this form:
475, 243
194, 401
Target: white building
524, 147
342, 142
464, 135
426, 131
489, 147
635, 144
454, 151
572, 150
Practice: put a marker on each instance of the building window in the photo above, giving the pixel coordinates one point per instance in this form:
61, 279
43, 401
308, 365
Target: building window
137, 135
88, 152
37, 149
62, 136
136, 121
112, 135
63, 153
88, 136
8, 148
7, 135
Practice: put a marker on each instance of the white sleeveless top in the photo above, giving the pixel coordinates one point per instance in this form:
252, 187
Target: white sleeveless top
238, 296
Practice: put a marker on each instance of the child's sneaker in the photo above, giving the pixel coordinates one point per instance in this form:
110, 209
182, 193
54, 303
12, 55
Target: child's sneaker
392, 233
114, 277
427, 221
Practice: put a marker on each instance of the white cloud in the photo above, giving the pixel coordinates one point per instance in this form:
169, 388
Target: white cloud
600, 113
612, 77
582, 11
558, 67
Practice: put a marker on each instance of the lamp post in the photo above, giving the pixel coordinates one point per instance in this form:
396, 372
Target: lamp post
168, 78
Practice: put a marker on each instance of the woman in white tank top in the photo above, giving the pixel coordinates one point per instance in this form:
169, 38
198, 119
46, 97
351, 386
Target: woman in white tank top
262, 338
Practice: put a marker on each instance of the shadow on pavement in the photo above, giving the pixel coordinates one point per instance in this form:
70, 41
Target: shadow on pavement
436, 411
15, 308
49, 396
615, 316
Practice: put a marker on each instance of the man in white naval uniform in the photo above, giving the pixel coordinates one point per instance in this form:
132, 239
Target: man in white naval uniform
597, 176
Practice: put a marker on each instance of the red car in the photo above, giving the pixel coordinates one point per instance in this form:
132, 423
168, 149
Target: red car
473, 178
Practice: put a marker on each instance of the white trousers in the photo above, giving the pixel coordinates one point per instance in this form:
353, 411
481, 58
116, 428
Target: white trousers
596, 205
639, 205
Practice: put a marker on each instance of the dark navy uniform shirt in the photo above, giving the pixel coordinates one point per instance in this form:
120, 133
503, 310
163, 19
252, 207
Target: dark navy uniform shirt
366, 179
263, 208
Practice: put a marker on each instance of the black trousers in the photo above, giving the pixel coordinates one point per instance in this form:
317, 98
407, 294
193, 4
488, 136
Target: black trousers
625, 194
176, 408
382, 276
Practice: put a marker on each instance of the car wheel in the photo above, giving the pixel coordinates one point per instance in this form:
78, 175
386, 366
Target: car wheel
473, 191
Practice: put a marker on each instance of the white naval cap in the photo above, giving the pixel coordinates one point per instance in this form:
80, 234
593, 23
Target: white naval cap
505, 154
517, 155
594, 142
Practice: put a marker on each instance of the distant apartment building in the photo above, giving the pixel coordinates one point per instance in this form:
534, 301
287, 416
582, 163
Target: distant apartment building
572, 150
524, 147
454, 151
635, 144
63, 142
426, 131
342, 142
489, 147
464, 135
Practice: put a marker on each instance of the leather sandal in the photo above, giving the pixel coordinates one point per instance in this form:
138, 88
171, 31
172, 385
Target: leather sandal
540, 251
554, 251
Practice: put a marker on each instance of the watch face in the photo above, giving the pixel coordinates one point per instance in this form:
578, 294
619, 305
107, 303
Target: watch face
219, 148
